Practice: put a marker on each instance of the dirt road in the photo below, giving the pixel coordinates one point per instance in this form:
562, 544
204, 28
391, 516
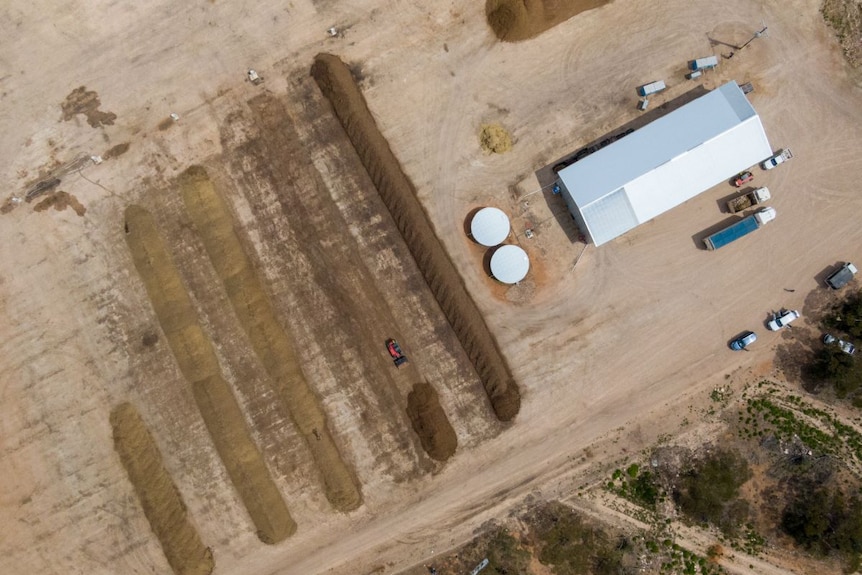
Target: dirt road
608, 350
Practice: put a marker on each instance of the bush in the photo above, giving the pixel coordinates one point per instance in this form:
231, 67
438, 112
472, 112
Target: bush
506, 556
833, 365
644, 489
821, 519
574, 547
708, 491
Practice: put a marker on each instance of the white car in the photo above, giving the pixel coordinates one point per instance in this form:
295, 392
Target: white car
782, 319
845, 346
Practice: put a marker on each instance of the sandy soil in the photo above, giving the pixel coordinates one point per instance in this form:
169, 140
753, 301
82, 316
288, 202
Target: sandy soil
606, 352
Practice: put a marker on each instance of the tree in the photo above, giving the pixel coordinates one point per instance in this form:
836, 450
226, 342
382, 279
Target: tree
832, 364
708, 491
822, 520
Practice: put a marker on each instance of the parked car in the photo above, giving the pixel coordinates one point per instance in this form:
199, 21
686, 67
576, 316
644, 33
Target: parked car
743, 178
394, 349
743, 341
842, 276
782, 319
845, 346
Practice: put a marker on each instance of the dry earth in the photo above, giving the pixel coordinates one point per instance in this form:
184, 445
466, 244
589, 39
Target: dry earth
603, 351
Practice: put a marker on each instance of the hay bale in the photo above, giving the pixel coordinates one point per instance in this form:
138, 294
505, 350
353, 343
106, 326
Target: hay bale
495, 139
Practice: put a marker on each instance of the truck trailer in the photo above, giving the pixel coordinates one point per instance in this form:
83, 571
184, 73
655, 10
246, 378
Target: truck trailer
651, 88
739, 229
704, 63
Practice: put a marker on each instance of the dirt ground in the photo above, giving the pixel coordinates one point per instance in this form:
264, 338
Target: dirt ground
604, 352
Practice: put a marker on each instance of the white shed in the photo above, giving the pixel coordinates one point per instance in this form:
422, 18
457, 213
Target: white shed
664, 163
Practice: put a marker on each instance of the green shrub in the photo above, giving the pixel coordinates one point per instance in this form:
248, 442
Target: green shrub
506, 556
708, 492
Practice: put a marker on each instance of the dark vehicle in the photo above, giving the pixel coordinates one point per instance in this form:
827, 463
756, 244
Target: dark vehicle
743, 341
394, 349
842, 276
743, 178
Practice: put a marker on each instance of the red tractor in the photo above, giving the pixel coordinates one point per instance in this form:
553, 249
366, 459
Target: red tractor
394, 349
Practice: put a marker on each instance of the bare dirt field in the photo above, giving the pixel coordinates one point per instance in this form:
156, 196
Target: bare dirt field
607, 346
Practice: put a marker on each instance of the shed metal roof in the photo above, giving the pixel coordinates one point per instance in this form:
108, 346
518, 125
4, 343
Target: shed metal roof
666, 162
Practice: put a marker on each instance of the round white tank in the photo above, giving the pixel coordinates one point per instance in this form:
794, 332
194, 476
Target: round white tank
510, 264
490, 227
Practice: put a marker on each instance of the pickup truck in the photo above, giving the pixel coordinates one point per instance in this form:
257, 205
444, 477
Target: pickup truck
739, 229
745, 201
779, 158
842, 276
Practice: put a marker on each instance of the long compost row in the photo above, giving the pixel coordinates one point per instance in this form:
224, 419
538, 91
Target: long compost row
198, 363
215, 225
158, 494
274, 153
398, 193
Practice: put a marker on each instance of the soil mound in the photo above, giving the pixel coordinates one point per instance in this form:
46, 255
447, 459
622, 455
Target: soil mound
430, 422
197, 361
516, 20
338, 86
215, 226
116, 151
163, 505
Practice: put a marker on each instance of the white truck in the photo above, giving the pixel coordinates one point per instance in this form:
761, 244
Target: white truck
745, 201
779, 158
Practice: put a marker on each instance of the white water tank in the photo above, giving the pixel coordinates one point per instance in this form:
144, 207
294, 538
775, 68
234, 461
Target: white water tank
490, 227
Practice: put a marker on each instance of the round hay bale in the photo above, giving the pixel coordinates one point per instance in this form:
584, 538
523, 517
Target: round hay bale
495, 139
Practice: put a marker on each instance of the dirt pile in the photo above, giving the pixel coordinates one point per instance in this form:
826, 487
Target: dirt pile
158, 495
495, 139
60, 201
116, 151
82, 101
215, 225
198, 363
516, 20
335, 81
430, 422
